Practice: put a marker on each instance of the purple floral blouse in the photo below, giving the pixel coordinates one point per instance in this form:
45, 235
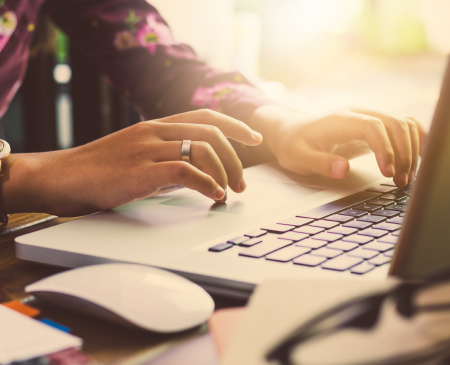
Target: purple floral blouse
134, 48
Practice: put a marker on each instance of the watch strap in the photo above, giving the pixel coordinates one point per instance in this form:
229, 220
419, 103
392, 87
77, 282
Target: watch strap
5, 150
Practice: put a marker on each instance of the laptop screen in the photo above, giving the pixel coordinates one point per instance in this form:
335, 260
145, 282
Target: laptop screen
424, 243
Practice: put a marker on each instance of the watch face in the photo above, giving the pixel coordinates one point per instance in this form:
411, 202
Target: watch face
5, 150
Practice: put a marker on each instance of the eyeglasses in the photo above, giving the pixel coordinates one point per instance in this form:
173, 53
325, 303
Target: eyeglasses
407, 324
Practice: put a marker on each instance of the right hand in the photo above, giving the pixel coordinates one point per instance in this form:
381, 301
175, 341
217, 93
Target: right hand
131, 164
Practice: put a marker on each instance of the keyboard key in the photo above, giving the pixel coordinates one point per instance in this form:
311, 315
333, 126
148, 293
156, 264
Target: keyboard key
367, 207
324, 224
294, 236
406, 189
309, 230
396, 220
386, 213
404, 201
256, 233
397, 207
403, 215
375, 233
265, 247
387, 227
362, 268
382, 189
394, 196
381, 202
309, 242
287, 254
345, 231
296, 221
389, 183
379, 260
341, 263
309, 260
238, 240
338, 205
362, 253
388, 239
358, 225
372, 219
389, 253
325, 236
220, 247
250, 242
326, 252
341, 245
396, 233
278, 228
353, 213
358, 239
378, 246
339, 218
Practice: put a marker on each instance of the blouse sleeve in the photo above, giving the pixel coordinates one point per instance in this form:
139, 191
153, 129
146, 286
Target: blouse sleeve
134, 48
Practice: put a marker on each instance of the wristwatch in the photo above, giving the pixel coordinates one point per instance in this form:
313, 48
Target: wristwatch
5, 150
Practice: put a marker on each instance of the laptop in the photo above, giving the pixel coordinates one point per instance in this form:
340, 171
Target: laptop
282, 226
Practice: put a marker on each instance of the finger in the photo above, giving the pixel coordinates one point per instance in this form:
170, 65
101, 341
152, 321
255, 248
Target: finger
184, 174
399, 133
415, 146
318, 162
216, 139
350, 126
420, 128
202, 156
422, 135
416, 138
230, 127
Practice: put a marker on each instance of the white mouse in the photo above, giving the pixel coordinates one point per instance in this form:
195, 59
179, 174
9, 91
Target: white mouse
143, 296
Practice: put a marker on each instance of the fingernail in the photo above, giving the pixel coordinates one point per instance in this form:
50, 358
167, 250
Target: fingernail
220, 193
390, 170
412, 176
403, 179
338, 169
224, 199
257, 135
242, 185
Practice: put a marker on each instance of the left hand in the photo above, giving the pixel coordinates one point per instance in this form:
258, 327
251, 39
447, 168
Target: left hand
322, 145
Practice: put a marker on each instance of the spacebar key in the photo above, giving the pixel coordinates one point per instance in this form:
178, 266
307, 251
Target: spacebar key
267, 246
338, 205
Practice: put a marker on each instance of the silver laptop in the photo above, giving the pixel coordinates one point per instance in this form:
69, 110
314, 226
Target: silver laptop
282, 226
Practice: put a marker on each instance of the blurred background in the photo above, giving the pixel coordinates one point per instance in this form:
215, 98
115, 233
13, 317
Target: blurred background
311, 55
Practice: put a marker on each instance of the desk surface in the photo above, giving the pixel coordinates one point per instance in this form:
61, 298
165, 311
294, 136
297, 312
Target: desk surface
106, 343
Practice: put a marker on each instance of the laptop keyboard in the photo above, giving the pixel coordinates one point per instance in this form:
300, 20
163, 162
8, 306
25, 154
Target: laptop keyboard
357, 233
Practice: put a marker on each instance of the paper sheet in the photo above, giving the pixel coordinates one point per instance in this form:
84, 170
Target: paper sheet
23, 338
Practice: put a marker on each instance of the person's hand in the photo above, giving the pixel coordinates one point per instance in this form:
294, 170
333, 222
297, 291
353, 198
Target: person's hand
131, 164
322, 145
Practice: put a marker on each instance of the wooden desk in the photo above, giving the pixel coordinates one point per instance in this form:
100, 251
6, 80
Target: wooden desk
108, 344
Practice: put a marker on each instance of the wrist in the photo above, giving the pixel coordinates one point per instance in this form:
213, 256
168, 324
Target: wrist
273, 122
19, 185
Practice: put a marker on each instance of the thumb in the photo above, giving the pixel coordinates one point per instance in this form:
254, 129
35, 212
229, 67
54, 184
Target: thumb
324, 163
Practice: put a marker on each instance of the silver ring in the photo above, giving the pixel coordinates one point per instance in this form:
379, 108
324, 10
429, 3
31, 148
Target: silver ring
186, 151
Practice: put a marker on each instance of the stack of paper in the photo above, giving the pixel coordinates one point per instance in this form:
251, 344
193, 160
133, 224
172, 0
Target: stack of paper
23, 338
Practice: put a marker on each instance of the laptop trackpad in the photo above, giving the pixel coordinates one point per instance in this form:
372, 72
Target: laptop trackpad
260, 196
